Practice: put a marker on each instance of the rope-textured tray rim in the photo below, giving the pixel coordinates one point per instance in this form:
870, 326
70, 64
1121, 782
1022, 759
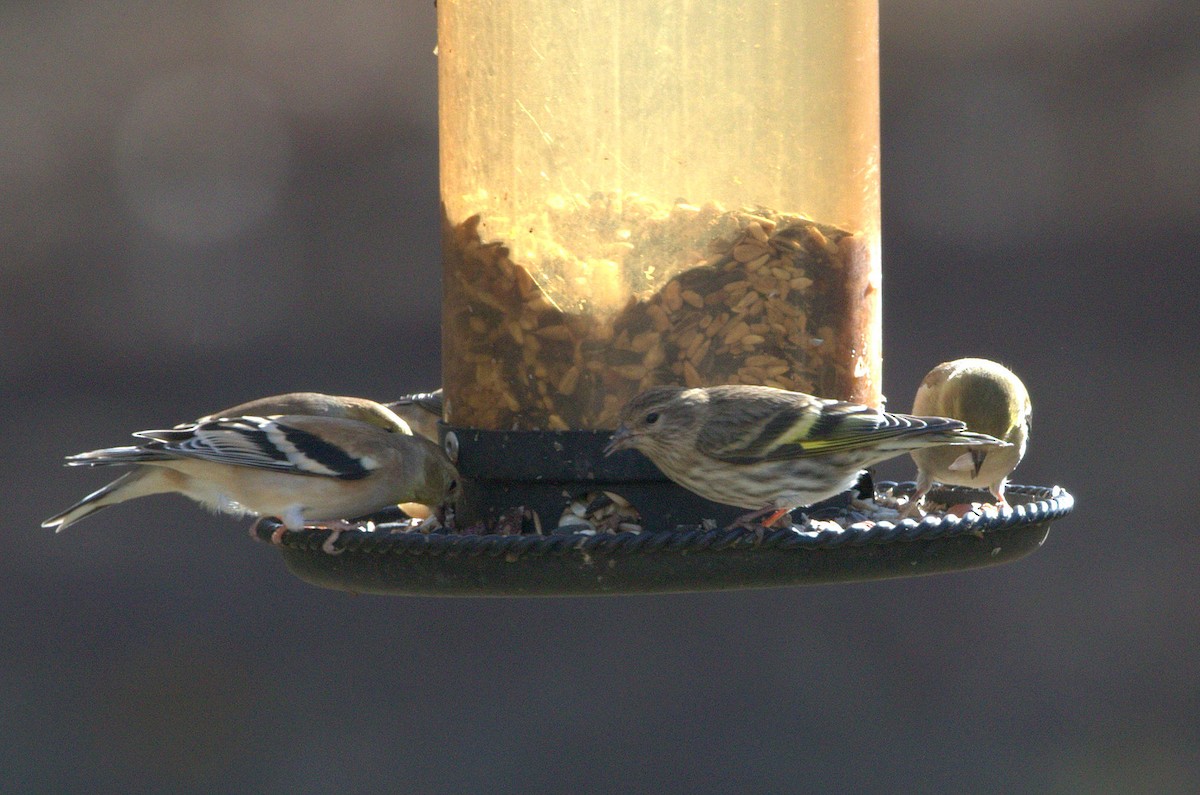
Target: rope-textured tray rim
1046, 503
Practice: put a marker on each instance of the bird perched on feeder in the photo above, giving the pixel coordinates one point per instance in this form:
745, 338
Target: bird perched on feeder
990, 399
300, 468
418, 407
421, 411
317, 404
769, 449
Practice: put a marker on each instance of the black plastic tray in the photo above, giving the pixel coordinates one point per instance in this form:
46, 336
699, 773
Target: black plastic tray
689, 558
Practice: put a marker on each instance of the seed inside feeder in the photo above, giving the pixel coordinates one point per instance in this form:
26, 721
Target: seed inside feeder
622, 294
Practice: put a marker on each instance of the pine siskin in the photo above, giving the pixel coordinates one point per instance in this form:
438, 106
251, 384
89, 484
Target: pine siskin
990, 399
421, 411
769, 449
299, 468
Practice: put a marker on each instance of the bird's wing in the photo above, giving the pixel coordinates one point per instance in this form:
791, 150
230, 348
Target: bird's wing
803, 426
298, 445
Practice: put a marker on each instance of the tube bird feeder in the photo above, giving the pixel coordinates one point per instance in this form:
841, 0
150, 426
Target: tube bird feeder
639, 193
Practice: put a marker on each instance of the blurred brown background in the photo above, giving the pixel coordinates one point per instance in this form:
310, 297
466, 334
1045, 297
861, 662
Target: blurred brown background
206, 202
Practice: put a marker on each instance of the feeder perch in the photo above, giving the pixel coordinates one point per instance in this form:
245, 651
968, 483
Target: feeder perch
687, 558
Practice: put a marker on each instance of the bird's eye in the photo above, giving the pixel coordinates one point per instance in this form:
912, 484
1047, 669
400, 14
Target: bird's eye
652, 418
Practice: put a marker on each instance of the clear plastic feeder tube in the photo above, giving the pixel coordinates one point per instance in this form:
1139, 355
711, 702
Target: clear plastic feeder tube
643, 192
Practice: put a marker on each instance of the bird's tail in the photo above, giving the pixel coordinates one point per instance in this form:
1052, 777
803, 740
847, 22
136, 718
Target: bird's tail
429, 401
140, 482
945, 432
908, 432
962, 437
118, 455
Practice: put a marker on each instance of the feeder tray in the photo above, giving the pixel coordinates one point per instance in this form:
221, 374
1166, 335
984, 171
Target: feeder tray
687, 558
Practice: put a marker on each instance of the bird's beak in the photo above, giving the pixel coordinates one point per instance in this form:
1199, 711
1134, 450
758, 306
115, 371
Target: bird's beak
621, 439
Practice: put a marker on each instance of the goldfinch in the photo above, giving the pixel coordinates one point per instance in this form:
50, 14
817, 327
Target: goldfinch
299, 468
316, 404
990, 399
418, 407
769, 449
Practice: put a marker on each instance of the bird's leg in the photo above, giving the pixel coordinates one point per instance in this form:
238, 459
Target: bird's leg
998, 492
775, 517
924, 485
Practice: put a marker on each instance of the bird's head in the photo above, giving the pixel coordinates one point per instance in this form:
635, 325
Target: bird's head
658, 416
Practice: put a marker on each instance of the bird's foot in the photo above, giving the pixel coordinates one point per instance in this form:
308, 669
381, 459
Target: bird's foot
750, 521
276, 534
912, 508
335, 532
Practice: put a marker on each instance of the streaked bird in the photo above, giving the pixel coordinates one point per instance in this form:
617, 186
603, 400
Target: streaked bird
421, 411
769, 449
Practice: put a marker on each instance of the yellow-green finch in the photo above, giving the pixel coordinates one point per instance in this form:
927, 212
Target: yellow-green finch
300, 468
990, 399
769, 449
